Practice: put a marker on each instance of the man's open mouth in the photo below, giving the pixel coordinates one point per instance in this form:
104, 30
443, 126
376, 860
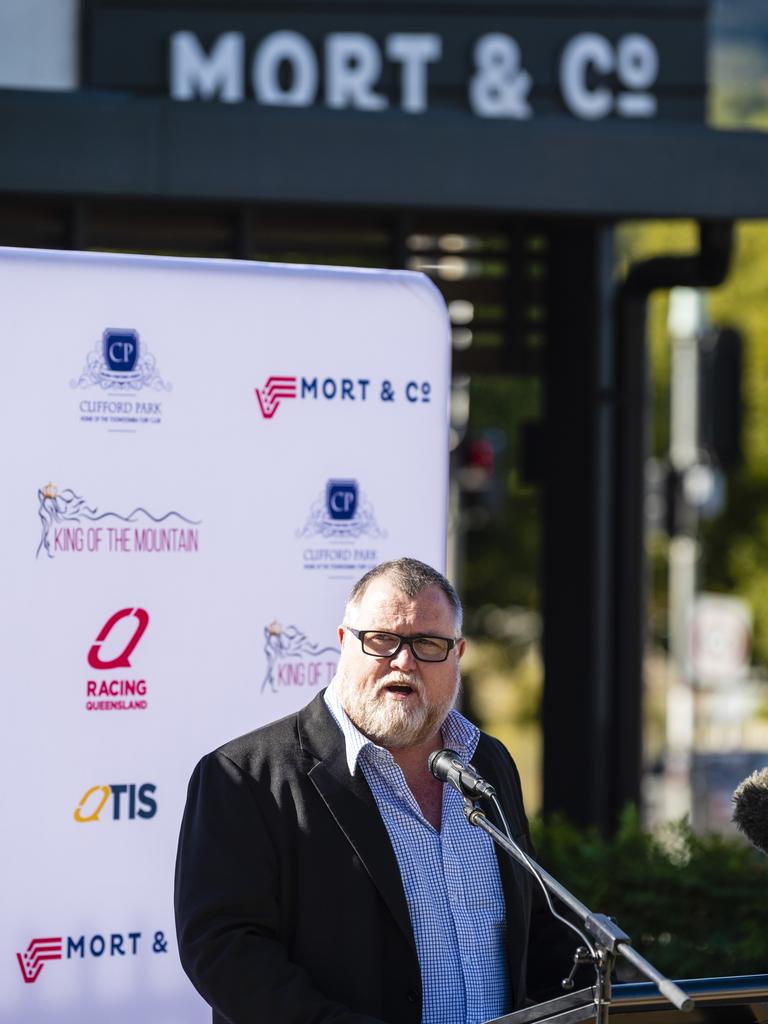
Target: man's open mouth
401, 688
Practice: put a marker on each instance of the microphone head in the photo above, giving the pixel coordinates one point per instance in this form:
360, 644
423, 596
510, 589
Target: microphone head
437, 759
751, 808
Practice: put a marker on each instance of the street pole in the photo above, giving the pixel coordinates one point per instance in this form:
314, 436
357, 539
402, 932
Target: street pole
687, 321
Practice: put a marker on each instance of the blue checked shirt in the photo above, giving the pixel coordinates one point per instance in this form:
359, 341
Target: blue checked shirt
451, 881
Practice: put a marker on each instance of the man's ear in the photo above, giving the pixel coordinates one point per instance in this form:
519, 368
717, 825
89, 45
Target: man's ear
341, 633
460, 647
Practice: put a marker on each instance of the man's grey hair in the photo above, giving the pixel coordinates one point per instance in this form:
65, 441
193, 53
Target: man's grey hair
410, 577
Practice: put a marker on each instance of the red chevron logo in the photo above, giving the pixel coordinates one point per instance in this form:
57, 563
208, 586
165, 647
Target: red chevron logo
273, 392
31, 962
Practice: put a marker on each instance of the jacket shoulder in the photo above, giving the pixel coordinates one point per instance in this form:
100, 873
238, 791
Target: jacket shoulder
497, 766
263, 748
492, 751
289, 745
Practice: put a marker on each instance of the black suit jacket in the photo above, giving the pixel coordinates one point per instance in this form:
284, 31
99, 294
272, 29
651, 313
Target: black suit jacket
289, 903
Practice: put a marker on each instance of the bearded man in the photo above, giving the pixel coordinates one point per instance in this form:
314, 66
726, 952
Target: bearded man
324, 874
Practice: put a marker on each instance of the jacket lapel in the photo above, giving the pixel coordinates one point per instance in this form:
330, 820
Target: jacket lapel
351, 803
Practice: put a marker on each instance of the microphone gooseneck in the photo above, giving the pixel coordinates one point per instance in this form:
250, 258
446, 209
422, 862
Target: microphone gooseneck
607, 940
447, 766
750, 811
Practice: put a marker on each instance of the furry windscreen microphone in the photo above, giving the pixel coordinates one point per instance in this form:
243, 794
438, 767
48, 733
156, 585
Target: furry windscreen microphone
751, 808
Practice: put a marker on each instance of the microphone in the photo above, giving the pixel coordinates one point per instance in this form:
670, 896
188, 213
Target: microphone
751, 808
447, 766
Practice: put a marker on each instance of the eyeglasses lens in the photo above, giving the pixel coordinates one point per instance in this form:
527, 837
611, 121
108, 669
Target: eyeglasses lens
425, 648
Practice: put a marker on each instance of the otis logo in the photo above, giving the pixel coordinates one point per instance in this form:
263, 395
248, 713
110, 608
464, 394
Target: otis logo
37, 952
139, 802
342, 389
113, 647
114, 944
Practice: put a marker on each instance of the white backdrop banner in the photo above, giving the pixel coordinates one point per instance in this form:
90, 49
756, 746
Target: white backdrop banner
198, 459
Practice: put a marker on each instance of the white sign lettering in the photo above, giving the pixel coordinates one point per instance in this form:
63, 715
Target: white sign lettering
635, 62
500, 84
352, 67
597, 77
288, 49
414, 52
196, 74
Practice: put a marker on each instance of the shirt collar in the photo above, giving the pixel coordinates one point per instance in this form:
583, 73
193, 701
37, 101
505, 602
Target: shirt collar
459, 733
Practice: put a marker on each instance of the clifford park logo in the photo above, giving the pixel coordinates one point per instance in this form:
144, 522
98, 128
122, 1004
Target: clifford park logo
340, 531
119, 368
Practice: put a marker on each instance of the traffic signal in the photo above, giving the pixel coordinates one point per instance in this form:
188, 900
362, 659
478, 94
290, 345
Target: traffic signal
720, 398
478, 477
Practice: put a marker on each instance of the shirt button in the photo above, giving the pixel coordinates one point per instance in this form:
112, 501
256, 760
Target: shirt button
413, 995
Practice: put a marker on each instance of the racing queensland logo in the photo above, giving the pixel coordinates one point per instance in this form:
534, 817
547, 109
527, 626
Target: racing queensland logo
293, 659
73, 527
113, 683
125, 382
338, 536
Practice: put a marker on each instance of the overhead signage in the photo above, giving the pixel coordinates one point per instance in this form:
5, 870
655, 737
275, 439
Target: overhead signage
596, 76
504, 62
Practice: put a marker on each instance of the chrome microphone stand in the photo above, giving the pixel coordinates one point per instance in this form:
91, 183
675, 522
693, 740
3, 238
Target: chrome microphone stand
606, 941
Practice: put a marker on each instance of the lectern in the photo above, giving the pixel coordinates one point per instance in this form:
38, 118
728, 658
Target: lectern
732, 1000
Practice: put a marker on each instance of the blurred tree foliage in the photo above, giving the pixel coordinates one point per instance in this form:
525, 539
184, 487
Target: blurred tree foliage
695, 906
502, 557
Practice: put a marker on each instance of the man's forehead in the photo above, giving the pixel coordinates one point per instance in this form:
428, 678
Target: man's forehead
384, 594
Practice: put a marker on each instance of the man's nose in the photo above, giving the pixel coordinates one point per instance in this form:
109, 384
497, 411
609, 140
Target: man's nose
404, 658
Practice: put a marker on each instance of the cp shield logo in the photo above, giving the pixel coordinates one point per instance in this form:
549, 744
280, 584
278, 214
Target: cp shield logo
341, 499
122, 659
121, 350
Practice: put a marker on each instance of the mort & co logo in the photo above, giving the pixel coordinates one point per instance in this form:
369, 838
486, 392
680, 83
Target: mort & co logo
113, 648
81, 947
127, 801
294, 660
32, 960
347, 390
276, 390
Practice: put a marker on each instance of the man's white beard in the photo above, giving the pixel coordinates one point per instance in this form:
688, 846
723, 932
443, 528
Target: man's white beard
389, 722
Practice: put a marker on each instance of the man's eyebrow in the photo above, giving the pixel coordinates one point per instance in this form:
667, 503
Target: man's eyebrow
409, 636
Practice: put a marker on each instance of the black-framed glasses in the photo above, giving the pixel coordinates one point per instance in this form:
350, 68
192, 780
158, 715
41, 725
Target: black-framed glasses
386, 645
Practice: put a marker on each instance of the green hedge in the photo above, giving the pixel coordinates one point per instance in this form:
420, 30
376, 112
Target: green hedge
695, 906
